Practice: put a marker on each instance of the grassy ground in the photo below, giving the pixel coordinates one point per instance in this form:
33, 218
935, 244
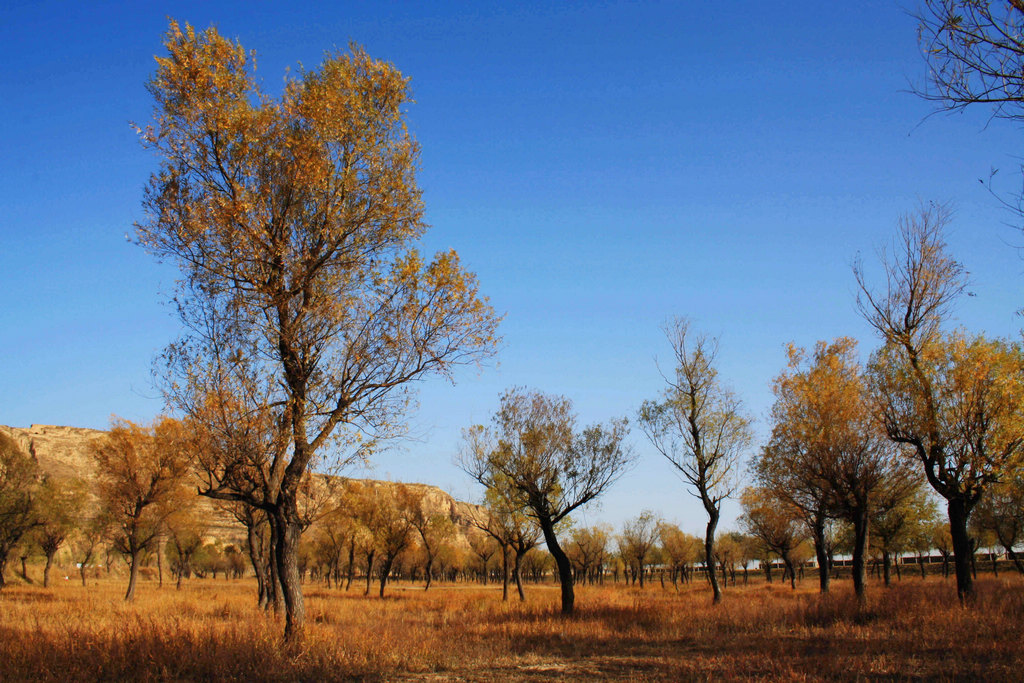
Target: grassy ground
211, 630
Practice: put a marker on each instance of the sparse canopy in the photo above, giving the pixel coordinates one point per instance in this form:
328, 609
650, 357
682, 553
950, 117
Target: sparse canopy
308, 311
951, 401
699, 426
546, 468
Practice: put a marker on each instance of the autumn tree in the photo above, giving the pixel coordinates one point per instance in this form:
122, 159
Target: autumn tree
533, 451
587, 550
185, 529
91, 533
637, 541
950, 400
292, 220
19, 482
1001, 513
433, 530
775, 523
60, 504
896, 520
827, 455
389, 524
141, 473
680, 548
699, 426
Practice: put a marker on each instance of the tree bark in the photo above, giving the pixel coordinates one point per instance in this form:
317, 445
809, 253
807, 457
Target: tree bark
563, 564
288, 569
860, 549
46, 570
709, 553
962, 553
517, 575
133, 575
821, 553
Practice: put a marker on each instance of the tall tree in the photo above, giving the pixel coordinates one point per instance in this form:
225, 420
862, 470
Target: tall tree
292, 221
1001, 513
19, 481
637, 541
60, 505
700, 428
533, 452
775, 523
827, 454
950, 400
142, 473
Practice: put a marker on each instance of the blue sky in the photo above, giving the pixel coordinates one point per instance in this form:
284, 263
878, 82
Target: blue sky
601, 166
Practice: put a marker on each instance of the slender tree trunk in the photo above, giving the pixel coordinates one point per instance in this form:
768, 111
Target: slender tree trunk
24, 570
369, 570
160, 562
504, 573
133, 575
428, 570
351, 563
962, 553
46, 570
276, 592
259, 567
563, 564
886, 568
821, 553
860, 549
517, 575
385, 570
789, 568
709, 553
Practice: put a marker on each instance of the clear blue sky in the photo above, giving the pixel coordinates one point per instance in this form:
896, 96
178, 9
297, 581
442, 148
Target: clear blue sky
601, 166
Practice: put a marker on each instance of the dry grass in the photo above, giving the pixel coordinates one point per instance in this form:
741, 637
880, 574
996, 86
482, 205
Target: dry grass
211, 630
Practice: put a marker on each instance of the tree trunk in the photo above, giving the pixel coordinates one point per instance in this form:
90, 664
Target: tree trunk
821, 553
886, 568
369, 570
517, 575
259, 567
3, 565
81, 571
709, 553
1016, 559
46, 570
160, 562
428, 571
962, 553
276, 593
385, 570
351, 563
792, 573
287, 557
563, 564
860, 549
504, 573
133, 575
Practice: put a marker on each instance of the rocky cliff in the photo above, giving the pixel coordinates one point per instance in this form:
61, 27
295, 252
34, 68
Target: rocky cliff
64, 452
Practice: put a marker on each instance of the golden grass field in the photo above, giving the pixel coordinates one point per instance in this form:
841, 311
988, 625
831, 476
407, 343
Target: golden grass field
211, 630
